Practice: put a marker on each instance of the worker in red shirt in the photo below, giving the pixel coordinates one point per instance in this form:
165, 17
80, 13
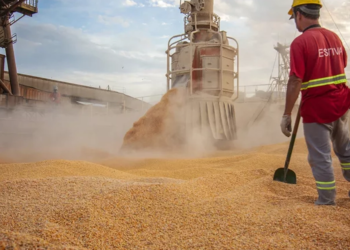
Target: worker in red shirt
317, 61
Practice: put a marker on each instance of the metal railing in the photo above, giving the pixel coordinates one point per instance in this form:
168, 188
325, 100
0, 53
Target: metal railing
191, 19
5, 41
33, 3
260, 93
193, 45
25, 7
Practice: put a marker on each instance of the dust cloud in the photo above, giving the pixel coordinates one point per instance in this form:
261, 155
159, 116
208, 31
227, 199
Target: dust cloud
90, 134
167, 130
258, 124
67, 132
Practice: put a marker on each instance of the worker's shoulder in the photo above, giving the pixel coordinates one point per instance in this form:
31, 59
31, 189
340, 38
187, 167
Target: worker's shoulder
313, 35
324, 30
319, 33
333, 35
298, 41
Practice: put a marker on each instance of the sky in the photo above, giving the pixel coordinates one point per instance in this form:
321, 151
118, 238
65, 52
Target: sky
122, 43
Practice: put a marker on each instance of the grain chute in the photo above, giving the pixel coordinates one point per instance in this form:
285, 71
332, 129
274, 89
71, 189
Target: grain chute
204, 63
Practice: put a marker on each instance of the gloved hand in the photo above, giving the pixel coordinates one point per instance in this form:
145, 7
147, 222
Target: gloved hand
286, 125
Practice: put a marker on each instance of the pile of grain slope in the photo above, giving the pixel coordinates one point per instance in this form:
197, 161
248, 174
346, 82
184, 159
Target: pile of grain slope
220, 202
159, 128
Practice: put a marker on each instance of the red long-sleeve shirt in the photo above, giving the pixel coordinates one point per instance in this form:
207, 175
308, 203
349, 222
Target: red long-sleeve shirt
318, 57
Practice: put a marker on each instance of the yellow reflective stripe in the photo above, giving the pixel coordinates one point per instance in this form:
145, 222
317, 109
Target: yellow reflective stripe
324, 81
325, 78
329, 188
323, 84
325, 183
345, 164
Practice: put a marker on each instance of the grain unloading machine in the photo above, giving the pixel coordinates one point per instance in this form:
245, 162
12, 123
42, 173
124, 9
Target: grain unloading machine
203, 62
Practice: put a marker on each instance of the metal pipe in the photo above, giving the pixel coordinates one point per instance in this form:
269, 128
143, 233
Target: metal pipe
11, 61
221, 78
167, 69
17, 20
191, 65
237, 67
2, 67
192, 44
208, 6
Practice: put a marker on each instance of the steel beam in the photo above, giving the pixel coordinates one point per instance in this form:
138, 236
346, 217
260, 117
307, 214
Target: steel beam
4, 87
11, 61
2, 67
14, 6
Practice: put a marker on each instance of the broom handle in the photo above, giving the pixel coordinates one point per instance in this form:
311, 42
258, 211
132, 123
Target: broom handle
291, 145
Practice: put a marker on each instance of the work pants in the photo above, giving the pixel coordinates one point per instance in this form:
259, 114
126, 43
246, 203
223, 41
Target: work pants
318, 139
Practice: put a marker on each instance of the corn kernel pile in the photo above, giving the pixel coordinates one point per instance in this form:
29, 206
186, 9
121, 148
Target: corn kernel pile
158, 129
225, 201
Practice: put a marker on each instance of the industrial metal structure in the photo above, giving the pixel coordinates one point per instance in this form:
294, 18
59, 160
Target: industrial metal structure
7, 10
35, 91
278, 86
204, 63
277, 89
30, 91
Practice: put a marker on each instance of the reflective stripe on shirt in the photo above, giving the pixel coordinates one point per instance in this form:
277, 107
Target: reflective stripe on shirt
339, 79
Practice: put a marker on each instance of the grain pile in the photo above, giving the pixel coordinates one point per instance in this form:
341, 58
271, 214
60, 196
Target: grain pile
159, 128
225, 201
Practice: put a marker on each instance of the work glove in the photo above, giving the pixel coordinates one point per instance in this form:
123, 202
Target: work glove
286, 125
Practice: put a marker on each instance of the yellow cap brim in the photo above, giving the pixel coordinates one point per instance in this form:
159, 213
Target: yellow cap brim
291, 14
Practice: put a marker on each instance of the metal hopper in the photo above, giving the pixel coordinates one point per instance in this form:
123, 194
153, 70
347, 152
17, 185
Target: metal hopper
204, 61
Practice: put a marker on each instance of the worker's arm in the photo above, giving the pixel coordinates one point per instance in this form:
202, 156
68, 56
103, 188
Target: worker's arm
297, 72
293, 90
345, 57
